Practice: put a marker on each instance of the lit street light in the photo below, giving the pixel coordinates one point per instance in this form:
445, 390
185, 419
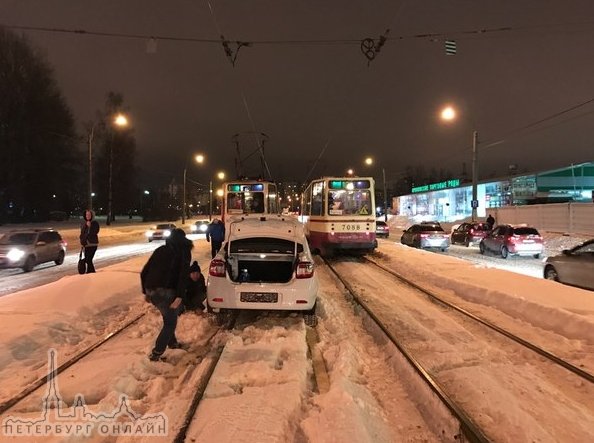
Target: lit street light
199, 158
449, 114
120, 121
220, 176
369, 162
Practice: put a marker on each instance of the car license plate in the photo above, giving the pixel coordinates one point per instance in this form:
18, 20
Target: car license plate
259, 297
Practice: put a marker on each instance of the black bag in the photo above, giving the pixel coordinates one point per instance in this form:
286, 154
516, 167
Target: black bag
82, 264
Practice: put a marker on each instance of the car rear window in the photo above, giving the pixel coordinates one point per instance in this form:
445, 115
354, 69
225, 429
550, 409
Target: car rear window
265, 245
481, 227
428, 227
381, 223
525, 231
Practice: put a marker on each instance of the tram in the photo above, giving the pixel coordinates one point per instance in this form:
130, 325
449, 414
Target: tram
248, 198
339, 214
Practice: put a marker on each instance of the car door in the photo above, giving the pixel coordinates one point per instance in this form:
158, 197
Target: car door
493, 240
578, 267
407, 235
43, 246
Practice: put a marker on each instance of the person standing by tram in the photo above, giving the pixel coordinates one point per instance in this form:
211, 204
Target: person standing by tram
215, 234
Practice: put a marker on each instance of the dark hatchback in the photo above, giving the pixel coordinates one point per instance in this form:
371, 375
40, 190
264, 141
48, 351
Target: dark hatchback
470, 233
382, 229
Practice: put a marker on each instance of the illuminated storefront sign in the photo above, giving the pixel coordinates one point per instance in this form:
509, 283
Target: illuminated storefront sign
446, 184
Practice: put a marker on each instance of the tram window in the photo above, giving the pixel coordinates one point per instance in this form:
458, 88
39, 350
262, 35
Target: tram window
255, 202
317, 207
235, 202
349, 202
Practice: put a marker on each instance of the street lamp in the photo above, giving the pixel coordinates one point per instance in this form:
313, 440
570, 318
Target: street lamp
220, 176
120, 121
449, 114
369, 162
199, 158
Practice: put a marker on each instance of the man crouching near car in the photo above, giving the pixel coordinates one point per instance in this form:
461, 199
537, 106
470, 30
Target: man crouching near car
164, 279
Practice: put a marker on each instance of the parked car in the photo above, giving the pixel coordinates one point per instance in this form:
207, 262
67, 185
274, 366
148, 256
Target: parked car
573, 267
513, 240
265, 264
160, 231
426, 235
27, 248
470, 233
199, 226
382, 229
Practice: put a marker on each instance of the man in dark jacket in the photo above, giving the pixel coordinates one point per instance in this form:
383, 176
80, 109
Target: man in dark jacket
215, 234
164, 279
89, 238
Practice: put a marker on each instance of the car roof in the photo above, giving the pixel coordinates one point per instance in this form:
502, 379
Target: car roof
274, 226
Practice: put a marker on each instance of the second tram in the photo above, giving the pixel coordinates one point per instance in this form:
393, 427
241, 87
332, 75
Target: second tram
248, 198
339, 214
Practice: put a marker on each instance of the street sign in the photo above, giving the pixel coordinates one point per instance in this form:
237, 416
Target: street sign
474, 203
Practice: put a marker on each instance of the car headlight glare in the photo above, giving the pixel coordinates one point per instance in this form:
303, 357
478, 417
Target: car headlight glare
166, 233
203, 228
15, 254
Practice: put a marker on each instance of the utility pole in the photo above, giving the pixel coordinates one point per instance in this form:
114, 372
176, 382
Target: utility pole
385, 196
474, 175
90, 142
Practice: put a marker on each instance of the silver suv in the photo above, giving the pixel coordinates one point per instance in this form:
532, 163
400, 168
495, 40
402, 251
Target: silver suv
27, 248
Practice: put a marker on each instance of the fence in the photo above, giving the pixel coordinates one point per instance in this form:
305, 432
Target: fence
571, 218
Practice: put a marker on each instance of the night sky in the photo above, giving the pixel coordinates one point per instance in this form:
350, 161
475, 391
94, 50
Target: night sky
321, 99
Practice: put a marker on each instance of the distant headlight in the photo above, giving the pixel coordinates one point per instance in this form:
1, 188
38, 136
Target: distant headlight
166, 233
194, 228
203, 228
15, 254
149, 233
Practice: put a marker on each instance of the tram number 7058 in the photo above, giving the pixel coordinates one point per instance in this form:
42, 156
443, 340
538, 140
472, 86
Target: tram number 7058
350, 228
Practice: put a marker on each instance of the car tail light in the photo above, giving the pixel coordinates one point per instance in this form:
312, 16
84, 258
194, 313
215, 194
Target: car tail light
63, 243
305, 269
423, 235
514, 239
471, 231
217, 268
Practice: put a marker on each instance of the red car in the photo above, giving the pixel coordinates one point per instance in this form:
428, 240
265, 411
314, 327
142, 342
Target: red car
513, 240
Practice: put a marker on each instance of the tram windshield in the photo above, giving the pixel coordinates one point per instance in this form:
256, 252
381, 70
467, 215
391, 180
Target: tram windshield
348, 198
349, 203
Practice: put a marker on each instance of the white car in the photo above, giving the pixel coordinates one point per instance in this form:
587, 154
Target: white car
265, 264
199, 226
159, 232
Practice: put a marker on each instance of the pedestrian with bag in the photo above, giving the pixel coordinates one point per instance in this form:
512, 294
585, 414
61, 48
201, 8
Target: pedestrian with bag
164, 280
215, 234
89, 240
196, 290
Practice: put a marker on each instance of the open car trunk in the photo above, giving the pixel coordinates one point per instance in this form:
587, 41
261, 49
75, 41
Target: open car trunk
262, 259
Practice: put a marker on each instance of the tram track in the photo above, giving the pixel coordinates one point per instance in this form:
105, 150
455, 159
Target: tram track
469, 428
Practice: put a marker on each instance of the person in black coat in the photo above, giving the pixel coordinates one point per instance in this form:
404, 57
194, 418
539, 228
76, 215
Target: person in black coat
490, 221
215, 234
164, 280
196, 289
89, 238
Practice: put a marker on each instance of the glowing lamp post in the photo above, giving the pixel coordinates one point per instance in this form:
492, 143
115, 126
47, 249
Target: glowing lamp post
199, 158
120, 121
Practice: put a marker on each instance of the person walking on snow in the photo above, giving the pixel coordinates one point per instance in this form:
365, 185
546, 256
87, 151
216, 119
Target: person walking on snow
215, 234
89, 238
164, 279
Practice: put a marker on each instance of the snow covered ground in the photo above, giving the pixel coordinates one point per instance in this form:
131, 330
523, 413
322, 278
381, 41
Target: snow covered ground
263, 390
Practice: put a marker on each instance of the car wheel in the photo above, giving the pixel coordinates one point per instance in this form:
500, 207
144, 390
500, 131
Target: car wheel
482, 248
29, 264
504, 252
58, 261
550, 273
536, 256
